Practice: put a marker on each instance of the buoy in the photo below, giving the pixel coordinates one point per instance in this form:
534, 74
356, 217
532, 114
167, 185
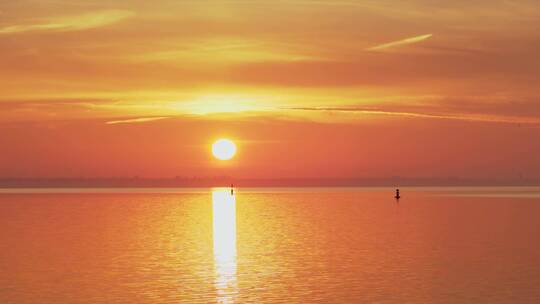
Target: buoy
397, 194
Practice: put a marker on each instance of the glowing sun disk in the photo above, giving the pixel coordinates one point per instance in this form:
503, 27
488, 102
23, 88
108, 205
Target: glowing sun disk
223, 149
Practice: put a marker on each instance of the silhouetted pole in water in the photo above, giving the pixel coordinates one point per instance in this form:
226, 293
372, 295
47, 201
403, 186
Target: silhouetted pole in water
397, 194
232, 189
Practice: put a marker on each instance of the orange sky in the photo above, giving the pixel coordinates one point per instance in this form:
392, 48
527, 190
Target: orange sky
306, 88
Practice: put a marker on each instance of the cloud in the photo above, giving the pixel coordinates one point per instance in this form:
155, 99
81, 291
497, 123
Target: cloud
402, 42
452, 116
226, 50
136, 120
70, 23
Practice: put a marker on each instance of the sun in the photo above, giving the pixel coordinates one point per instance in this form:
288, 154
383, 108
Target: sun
224, 149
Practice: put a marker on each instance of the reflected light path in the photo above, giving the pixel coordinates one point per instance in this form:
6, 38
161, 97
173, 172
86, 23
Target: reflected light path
224, 223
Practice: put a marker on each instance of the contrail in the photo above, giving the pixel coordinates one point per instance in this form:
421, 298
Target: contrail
400, 42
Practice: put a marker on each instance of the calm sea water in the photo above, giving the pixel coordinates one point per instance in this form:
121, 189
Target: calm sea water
350, 245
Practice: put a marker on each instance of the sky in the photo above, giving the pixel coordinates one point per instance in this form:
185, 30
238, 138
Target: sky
306, 88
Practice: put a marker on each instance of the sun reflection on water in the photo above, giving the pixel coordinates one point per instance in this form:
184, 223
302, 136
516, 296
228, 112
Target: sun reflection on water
224, 223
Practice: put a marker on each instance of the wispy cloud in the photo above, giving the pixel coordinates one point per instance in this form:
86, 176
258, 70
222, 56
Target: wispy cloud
465, 117
70, 23
401, 42
136, 120
227, 50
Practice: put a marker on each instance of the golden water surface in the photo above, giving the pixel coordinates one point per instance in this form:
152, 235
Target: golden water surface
341, 245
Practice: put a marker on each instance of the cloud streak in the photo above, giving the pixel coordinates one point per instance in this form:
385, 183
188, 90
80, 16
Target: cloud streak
399, 43
70, 23
136, 120
464, 117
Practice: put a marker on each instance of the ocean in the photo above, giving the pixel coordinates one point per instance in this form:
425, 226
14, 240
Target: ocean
270, 245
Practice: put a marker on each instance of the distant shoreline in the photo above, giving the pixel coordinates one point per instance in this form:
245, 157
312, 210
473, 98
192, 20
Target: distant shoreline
180, 182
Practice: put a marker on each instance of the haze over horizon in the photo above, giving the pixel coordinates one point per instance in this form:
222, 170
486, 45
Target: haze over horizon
313, 89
